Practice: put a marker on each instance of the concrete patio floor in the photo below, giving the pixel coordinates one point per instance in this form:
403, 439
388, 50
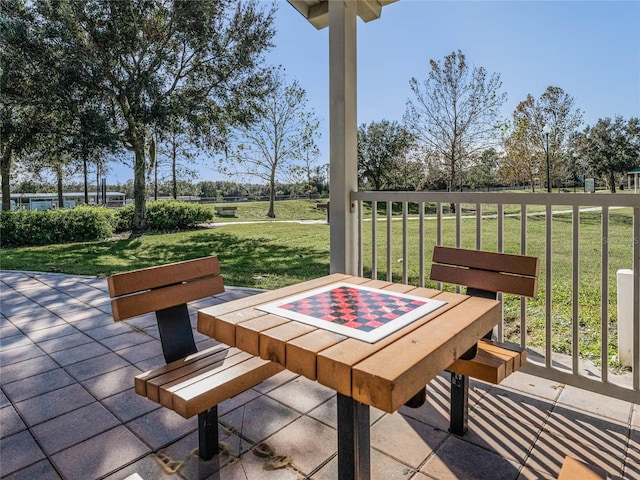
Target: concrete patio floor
68, 409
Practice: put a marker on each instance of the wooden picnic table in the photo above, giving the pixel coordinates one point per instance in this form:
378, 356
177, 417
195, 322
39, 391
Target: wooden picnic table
384, 374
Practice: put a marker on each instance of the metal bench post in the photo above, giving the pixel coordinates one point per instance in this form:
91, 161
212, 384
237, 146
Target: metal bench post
208, 444
459, 408
177, 341
176, 335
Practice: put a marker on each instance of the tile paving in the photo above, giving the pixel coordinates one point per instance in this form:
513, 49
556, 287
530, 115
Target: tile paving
68, 409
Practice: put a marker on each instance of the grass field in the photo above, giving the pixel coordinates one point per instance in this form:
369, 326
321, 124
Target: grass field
274, 254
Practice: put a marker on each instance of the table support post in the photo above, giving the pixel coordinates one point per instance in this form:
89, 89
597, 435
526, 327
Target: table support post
354, 446
459, 414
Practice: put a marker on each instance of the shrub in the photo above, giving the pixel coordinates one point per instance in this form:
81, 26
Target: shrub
85, 224
124, 218
173, 215
166, 216
33, 227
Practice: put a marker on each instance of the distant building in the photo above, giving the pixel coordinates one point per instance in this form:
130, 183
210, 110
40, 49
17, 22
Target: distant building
48, 201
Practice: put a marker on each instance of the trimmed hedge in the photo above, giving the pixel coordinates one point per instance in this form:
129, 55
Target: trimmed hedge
166, 216
34, 227
90, 224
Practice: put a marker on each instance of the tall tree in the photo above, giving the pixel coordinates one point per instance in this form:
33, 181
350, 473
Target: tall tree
454, 113
306, 170
380, 144
521, 162
611, 147
25, 115
483, 174
177, 154
279, 139
556, 109
154, 61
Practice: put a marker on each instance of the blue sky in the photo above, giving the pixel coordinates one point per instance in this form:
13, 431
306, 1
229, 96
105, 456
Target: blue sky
590, 49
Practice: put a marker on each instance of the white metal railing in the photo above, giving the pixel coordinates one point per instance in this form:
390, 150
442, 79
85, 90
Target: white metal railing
581, 240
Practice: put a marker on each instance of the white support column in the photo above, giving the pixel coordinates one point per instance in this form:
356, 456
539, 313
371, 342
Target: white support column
343, 134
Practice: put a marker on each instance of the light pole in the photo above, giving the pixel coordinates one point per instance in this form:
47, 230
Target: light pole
547, 130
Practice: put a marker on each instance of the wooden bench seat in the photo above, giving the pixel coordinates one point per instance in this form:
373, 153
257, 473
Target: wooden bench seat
494, 361
196, 383
483, 274
191, 382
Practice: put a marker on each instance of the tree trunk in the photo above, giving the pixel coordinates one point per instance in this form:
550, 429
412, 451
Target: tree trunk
60, 187
155, 182
272, 194
613, 182
452, 177
174, 176
86, 181
139, 187
97, 185
533, 182
5, 171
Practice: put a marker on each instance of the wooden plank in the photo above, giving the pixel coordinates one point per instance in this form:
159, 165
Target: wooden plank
334, 364
167, 390
483, 260
516, 354
158, 299
202, 395
141, 379
301, 352
518, 360
381, 284
485, 280
485, 366
248, 333
223, 328
388, 378
273, 341
162, 275
188, 371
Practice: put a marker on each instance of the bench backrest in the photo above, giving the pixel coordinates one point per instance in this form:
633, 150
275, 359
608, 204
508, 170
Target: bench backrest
486, 272
165, 290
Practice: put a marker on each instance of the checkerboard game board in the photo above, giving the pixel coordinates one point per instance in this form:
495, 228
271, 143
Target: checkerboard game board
356, 311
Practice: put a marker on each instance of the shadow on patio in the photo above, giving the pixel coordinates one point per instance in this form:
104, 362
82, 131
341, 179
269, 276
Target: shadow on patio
68, 409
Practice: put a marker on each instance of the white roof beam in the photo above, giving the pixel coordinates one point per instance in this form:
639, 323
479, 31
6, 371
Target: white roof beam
317, 11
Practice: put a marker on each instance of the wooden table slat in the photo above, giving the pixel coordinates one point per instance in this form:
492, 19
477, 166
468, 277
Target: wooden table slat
388, 378
301, 353
335, 363
248, 333
273, 341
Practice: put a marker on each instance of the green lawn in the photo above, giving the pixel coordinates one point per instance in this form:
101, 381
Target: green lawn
265, 256
284, 210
